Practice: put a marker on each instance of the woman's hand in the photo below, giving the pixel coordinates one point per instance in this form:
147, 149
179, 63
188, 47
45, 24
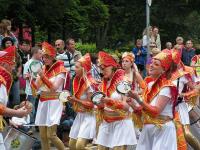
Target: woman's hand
40, 73
104, 99
133, 95
22, 112
72, 98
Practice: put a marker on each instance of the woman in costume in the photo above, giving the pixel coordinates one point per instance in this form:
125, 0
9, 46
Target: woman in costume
84, 125
50, 82
157, 106
7, 63
116, 129
131, 74
182, 79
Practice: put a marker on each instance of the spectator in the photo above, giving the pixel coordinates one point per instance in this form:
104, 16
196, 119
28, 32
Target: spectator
95, 71
66, 122
179, 41
63, 55
156, 37
140, 55
188, 53
7, 42
25, 50
36, 53
169, 45
6, 32
145, 39
76, 55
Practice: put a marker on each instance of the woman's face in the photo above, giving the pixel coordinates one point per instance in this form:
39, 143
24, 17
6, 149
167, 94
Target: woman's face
126, 64
106, 71
78, 69
8, 44
48, 60
155, 68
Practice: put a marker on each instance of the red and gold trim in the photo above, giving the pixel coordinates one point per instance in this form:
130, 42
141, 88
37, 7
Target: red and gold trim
80, 85
55, 69
2, 109
5, 78
117, 77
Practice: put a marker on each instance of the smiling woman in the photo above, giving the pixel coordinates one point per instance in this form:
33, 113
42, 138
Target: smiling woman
157, 108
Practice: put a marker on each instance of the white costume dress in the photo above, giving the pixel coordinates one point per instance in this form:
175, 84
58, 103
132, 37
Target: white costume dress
84, 125
117, 133
155, 138
49, 112
182, 107
3, 100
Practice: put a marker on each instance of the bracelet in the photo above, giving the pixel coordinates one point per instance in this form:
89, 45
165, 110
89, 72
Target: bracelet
140, 101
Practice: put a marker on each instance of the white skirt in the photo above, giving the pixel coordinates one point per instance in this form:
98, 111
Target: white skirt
2, 146
118, 133
183, 113
84, 126
154, 138
49, 113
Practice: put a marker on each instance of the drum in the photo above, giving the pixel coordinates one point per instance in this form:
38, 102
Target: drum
96, 97
18, 140
63, 96
123, 87
35, 66
194, 114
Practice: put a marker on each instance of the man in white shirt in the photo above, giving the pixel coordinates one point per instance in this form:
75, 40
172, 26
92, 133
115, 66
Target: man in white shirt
36, 56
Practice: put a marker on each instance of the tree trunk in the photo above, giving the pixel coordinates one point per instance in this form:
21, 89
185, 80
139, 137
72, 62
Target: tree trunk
101, 34
63, 30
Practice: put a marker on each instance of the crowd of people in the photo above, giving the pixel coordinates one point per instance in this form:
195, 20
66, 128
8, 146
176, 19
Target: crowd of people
156, 112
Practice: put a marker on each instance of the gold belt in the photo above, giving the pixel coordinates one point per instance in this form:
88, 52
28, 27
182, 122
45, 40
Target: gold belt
46, 96
158, 121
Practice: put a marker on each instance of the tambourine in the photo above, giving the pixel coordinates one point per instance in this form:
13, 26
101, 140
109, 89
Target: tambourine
123, 87
35, 66
63, 96
96, 97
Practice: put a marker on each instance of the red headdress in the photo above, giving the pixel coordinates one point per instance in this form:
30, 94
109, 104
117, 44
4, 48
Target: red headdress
165, 57
85, 62
48, 49
8, 55
107, 60
176, 56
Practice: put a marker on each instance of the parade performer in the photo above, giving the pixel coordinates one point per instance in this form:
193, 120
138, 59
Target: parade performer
7, 63
116, 129
131, 74
84, 125
158, 108
50, 82
182, 78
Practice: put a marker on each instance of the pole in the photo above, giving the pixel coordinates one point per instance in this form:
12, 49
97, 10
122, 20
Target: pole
148, 4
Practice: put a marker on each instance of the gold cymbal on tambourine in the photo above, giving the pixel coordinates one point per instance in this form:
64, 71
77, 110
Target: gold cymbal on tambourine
63, 96
123, 87
96, 97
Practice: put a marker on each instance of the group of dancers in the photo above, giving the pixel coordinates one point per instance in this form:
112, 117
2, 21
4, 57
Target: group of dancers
157, 106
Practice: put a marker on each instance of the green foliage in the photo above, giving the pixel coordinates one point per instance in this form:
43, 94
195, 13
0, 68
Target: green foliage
86, 48
111, 24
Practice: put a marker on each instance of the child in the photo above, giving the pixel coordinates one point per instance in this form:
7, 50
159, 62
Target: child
19, 122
